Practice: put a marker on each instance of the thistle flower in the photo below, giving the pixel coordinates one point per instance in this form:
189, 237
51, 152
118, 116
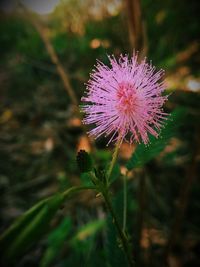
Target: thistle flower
125, 100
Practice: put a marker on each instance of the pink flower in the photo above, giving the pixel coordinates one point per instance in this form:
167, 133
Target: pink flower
125, 100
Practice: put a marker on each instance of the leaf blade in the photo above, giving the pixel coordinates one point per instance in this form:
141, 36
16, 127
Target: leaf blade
144, 154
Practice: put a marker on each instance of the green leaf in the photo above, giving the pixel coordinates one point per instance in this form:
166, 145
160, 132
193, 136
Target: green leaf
87, 230
114, 253
86, 179
28, 228
144, 153
31, 226
84, 250
56, 241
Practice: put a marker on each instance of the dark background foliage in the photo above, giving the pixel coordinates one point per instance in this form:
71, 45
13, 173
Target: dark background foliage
41, 133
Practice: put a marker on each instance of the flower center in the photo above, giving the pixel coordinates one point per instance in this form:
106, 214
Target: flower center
126, 96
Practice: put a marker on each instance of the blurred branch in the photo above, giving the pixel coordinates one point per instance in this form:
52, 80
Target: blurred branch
49, 68
137, 31
43, 31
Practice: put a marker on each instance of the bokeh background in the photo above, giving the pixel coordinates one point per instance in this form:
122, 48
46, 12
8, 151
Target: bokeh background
48, 49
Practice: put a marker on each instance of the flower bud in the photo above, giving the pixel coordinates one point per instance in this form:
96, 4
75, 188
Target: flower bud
84, 161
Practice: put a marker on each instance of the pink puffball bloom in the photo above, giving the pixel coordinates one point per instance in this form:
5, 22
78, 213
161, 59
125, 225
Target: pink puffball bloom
125, 100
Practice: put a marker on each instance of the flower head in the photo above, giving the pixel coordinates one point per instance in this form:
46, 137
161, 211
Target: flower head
125, 100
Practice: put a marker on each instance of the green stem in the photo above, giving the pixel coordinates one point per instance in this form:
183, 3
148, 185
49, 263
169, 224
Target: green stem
114, 158
123, 238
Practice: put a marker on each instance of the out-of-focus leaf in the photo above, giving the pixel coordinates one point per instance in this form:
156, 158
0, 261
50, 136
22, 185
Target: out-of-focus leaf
103, 155
86, 178
114, 253
87, 230
28, 228
55, 242
144, 153
6, 116
85, 250
83, 242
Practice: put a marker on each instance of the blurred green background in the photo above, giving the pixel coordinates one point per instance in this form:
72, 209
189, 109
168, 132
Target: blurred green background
48, 49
